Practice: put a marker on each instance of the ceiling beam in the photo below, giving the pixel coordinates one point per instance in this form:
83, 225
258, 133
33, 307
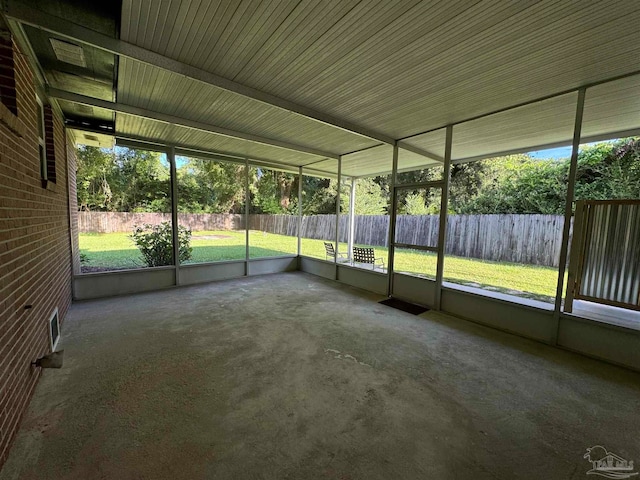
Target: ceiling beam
174, 120
420, 151
23, 13
190, 150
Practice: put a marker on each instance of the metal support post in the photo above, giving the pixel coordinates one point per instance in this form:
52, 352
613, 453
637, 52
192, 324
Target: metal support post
171, 153
392, 219
444, 203
568, 208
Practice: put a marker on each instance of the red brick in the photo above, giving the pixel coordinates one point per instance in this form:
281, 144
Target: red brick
35, 252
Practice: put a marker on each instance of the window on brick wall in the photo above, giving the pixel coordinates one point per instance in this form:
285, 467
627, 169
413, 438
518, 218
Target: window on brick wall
50, 147
42, 144
7, 73
46, 146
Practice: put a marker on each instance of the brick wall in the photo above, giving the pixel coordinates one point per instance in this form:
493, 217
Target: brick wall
35, 262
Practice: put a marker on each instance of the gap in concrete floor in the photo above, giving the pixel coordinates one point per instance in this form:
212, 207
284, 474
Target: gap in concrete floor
292, 376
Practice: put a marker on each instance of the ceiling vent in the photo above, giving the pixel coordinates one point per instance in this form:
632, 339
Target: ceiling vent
68, 52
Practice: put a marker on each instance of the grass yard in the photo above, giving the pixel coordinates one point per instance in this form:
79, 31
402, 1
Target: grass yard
111, 251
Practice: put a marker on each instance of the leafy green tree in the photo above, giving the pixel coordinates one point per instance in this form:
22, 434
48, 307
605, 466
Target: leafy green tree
414, 204
609, 171
371, 199
206, 186
92, 178
122, 180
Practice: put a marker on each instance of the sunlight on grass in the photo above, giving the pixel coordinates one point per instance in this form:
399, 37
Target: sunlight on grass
109, 251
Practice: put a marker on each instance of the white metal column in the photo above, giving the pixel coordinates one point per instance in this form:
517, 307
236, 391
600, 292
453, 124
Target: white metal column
352, 217
444, 203
568, 208
171, 154
392, 219
299, 211
335, 258
247, 201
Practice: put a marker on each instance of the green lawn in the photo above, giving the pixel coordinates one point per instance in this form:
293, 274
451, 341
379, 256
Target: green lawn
116, 250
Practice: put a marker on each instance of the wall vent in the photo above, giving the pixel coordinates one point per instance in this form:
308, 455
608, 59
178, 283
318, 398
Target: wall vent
68, 52
54, 329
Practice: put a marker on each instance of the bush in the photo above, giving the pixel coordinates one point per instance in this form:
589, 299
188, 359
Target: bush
155, 243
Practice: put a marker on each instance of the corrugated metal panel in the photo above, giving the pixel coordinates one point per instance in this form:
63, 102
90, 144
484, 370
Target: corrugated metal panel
377, 160
612, 107
326, 169
432, 142
151, 130
610, 271
156, 89
520, 129
399, 67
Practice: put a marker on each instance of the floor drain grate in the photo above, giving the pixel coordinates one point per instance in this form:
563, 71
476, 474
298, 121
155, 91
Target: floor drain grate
404, 306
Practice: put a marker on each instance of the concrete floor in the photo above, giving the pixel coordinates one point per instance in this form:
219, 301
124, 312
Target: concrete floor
289, 376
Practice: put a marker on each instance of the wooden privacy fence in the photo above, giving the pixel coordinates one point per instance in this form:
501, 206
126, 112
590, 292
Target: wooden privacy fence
528, 239
110, 222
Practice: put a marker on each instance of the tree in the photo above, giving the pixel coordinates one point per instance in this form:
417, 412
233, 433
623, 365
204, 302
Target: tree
122, 180
92, 178
371, 199
516, 184
609, 171
521, 184
206, 186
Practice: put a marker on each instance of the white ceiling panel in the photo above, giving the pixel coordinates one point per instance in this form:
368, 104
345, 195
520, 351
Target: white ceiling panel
152, 130
156, 89
397, 67
372, 161
522, 129
431, 143
612, 108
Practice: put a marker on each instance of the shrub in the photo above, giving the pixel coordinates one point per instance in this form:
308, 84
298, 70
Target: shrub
155, 243
84, 258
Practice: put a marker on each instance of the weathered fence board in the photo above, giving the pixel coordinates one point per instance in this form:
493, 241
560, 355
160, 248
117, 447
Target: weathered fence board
528, 239
108, 222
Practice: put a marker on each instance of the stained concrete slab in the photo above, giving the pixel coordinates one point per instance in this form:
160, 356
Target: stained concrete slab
289, 376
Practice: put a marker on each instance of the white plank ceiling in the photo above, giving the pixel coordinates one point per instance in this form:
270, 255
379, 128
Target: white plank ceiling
396, 67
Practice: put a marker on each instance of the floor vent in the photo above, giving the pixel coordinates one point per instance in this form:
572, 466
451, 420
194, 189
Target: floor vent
54, 329
411, 308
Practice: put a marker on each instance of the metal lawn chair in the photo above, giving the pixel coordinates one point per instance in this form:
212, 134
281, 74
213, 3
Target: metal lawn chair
367, 255
331, 253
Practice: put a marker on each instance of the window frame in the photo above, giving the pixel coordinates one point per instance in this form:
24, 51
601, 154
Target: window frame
42, 143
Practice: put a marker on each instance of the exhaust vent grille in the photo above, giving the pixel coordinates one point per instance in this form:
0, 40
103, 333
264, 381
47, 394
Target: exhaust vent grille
54, 329
68, 52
